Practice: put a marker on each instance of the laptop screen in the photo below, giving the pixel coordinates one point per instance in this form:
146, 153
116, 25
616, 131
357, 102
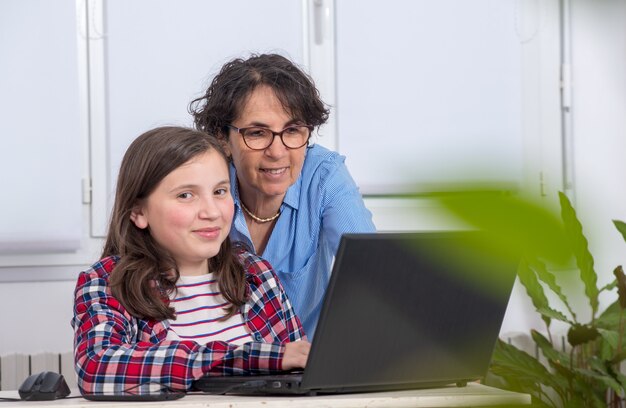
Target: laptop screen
419, 309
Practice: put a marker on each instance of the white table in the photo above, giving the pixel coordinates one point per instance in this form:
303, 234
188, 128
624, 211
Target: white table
470, 396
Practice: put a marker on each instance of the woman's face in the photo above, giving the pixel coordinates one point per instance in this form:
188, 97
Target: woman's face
190, 212
265, 174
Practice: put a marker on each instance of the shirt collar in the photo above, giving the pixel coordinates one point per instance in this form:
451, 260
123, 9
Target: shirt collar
292, 196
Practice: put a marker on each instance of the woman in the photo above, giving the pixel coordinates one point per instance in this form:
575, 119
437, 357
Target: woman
171, 300
293, 201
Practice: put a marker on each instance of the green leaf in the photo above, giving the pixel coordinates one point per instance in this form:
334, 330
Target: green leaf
603, 377
584, 260
598, 365
548, 349
587, 387
585, 397
549, 279
577, 401
609, 319
619, 357
516, 224
621, 378
554, 314
535, 291
511, 363
610, 336
539, 398
609, 344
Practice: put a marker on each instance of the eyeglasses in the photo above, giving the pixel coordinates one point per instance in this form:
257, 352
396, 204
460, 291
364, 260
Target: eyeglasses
260, 138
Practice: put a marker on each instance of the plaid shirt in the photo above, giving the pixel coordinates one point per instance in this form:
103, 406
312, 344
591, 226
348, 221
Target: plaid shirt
114, 351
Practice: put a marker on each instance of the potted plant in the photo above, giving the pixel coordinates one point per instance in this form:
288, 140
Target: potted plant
586, 372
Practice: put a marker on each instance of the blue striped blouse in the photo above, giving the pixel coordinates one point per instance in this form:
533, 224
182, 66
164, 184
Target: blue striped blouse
322, 205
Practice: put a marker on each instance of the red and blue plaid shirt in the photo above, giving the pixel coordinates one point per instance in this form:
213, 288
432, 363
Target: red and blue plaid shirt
115, 351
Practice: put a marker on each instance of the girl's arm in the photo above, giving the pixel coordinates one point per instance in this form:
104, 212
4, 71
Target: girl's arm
114, 351
270, 313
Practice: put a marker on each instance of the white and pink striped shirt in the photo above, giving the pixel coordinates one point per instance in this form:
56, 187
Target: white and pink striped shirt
199, 305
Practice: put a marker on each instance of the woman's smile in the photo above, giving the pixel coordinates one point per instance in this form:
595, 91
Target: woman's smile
274, 171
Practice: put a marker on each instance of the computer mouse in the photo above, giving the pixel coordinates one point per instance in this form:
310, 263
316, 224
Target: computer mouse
44, 386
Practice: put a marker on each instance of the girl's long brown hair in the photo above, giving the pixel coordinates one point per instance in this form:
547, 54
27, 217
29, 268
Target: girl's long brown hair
146, 274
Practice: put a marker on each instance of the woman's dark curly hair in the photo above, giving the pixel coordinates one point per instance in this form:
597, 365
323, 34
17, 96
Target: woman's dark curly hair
229, 91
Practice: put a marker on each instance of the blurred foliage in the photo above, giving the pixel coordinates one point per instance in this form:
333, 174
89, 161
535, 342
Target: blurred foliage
515, 222
586, 371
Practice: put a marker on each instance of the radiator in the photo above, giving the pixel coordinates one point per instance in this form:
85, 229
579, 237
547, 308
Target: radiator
15, 368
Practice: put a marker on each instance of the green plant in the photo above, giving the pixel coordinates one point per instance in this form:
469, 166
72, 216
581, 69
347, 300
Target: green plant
586, 372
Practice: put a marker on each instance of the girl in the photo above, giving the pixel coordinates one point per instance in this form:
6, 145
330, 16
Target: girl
171, 299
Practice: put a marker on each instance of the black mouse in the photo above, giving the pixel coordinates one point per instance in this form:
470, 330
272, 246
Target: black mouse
44, 386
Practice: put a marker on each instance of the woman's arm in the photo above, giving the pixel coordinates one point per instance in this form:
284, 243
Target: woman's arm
343, 210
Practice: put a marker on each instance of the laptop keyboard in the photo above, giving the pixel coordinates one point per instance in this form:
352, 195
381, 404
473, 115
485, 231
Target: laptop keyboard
278, 383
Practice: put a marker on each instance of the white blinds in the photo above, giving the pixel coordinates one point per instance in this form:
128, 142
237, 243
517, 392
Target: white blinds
40, 144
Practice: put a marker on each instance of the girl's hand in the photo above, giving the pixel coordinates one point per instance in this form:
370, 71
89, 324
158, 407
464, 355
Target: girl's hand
296, 354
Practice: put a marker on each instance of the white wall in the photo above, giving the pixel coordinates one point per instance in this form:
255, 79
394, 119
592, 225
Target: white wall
36, 316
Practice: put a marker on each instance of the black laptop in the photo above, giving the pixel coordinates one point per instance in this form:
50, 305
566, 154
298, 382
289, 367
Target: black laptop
402, 311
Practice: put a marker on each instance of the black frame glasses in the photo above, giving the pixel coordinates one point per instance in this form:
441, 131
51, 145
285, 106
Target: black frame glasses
247, 133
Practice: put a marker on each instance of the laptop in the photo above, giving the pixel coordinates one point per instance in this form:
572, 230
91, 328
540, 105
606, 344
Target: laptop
401, 311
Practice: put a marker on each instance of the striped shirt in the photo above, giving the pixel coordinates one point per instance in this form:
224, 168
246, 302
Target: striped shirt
322, 205
114, 351
199, 307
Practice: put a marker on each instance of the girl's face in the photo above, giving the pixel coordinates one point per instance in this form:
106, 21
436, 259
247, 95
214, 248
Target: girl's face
190, 212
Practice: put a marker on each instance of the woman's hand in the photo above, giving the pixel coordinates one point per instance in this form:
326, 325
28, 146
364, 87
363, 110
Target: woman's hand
296, 354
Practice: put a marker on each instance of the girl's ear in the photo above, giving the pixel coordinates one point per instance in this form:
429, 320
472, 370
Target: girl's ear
138, 217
